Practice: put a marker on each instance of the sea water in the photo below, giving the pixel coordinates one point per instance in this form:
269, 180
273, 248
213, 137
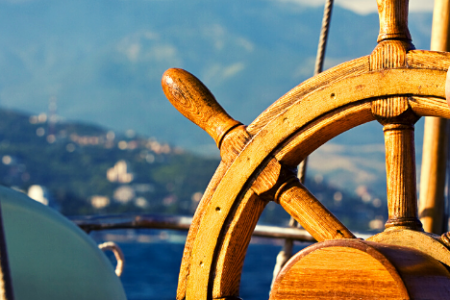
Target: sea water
152, 267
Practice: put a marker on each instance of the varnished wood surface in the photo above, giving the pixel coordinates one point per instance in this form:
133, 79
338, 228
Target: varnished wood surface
346, 89
352, 68
429, 106
397, 118
311, 214
280, 184
232, 253
432, 175
280, 129
435, 143
323, 129
393, 16
193, 229
354, 269
392, 85
422, 241
193, 99
415, 59
440, 26
401, 177
196, 102
233, 143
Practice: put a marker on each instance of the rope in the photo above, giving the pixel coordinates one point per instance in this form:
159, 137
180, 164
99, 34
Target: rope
286, 253
320, 58
323, 36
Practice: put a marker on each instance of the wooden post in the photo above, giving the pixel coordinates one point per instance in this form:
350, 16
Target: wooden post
401, 176
435, 141
397, 118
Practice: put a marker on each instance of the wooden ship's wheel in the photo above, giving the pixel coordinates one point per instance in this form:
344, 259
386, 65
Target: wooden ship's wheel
395, 85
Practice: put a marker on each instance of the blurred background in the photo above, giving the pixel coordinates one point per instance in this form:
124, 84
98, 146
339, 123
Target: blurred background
86, 129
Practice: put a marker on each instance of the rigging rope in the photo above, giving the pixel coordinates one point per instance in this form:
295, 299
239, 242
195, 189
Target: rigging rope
286, 253
323, 36
320, 58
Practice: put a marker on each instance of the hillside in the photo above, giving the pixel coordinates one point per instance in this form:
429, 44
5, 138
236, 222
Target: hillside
71, 160
86, 169
103, 59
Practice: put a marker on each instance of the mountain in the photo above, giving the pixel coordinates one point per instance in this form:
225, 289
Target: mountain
103, 59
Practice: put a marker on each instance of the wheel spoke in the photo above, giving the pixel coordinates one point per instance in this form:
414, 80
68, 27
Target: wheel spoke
398, 118
287, 132
401, 176
311, 214
280, 183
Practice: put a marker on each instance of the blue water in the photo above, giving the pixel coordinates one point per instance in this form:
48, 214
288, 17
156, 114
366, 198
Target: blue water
151, 270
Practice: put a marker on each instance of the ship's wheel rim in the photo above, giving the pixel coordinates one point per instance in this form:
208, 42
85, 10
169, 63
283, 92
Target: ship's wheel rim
426, 99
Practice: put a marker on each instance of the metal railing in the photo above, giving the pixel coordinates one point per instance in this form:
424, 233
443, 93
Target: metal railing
151, 221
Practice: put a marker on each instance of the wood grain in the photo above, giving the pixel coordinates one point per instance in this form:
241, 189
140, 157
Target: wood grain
432, 175
291, 118
415, 59
233, 143
283, 127
354, 269
339, 271
397, 118
435, 143
193, 229
323, 129
393, 20
234, 246
425, 242
401, 177
432, 60
357, 66
280, 183
429, 106
196, 102
440, 26
389, 54
394, 74
193, 99
311, 214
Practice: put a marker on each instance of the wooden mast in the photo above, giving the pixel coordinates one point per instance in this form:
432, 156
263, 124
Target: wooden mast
435, 143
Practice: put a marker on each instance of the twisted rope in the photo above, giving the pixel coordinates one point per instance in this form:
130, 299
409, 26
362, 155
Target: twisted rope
286, 253
320, 58
323, 36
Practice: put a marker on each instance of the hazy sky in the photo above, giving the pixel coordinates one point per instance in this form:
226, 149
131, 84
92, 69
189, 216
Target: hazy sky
368, 6
359, 6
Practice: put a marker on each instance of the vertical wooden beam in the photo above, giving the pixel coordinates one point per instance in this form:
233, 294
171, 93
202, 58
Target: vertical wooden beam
439, 33
435, 142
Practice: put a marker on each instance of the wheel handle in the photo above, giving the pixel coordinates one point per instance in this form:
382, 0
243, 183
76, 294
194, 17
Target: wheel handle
193, 99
